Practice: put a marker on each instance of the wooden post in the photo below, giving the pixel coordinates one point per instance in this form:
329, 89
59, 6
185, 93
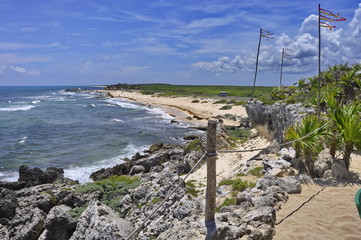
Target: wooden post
211, 171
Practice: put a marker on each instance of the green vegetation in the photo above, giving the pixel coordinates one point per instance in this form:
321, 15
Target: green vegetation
76, 212
156, 200
339, 109
191, 188
223, 101
226, 107
237, 134
168, 89
227, 202
195, 145
345, 77
111, 189
237, 184
257, 171
309, 147
53, 198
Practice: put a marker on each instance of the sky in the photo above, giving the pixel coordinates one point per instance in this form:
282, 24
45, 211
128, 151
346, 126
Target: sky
203, 42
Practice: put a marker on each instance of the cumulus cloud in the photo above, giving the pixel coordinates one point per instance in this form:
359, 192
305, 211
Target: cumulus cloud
338, 46
19, 70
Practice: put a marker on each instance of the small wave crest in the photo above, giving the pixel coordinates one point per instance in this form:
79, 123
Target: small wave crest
117, 120
22, 140
9, 176
82, 174
17, 108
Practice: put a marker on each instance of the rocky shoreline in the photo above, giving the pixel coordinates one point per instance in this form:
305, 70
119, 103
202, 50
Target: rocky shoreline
45, 205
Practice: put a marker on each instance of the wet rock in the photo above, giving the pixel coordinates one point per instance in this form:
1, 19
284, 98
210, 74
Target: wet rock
35, 176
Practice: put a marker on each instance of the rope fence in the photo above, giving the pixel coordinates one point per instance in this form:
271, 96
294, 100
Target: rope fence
211, 154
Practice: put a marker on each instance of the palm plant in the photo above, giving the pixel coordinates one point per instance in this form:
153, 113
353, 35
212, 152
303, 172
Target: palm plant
312, 132
346, 122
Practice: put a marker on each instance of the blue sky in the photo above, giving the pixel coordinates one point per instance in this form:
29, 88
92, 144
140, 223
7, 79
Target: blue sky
85, 42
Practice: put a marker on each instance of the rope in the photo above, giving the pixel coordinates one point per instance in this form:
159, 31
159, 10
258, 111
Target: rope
289, 215
142, 225
270, 147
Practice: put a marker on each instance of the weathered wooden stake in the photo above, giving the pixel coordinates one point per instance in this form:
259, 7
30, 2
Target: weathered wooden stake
211, 171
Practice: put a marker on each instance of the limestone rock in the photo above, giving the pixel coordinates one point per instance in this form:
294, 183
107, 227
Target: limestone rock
35, 176
59, 224
27, 224
339, 170
99, 221
289, 184
8, 205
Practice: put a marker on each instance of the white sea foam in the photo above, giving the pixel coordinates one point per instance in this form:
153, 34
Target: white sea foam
35, 101
22, 140
153, 110
17, 108
9, 176
82, 174
117, 120
123, 104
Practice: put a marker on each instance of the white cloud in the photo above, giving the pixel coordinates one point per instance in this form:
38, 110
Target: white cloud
16, 45
338, 46
19, 70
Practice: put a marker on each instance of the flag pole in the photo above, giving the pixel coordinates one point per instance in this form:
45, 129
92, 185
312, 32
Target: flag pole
283, 52
255, 74
319, 61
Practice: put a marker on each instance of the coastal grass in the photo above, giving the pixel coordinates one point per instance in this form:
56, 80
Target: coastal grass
257, 171
208, 90
111, 189
194, 145
237, 134
237, 184
191, 188
226, 202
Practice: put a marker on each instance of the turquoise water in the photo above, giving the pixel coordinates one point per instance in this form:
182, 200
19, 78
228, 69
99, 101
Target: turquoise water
80, 132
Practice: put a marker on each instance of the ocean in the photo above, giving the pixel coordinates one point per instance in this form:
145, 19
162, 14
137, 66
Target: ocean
80, 132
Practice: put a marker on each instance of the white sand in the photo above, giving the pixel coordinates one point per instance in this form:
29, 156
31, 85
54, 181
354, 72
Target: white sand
182, 107
332, 214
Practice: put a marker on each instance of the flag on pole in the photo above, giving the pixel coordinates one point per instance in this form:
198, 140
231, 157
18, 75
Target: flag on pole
328, 16
266, 34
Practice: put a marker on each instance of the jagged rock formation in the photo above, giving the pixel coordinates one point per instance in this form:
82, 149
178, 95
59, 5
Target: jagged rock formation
276, 118
54, 209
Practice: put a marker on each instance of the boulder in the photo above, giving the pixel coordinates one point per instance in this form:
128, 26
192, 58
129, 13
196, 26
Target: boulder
339, 170
136, 169
289, 184
263, 214
323, 163
27, 224
99, 221
59, 224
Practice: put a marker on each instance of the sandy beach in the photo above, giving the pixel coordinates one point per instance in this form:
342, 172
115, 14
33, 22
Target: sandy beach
184, 108
331, 214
